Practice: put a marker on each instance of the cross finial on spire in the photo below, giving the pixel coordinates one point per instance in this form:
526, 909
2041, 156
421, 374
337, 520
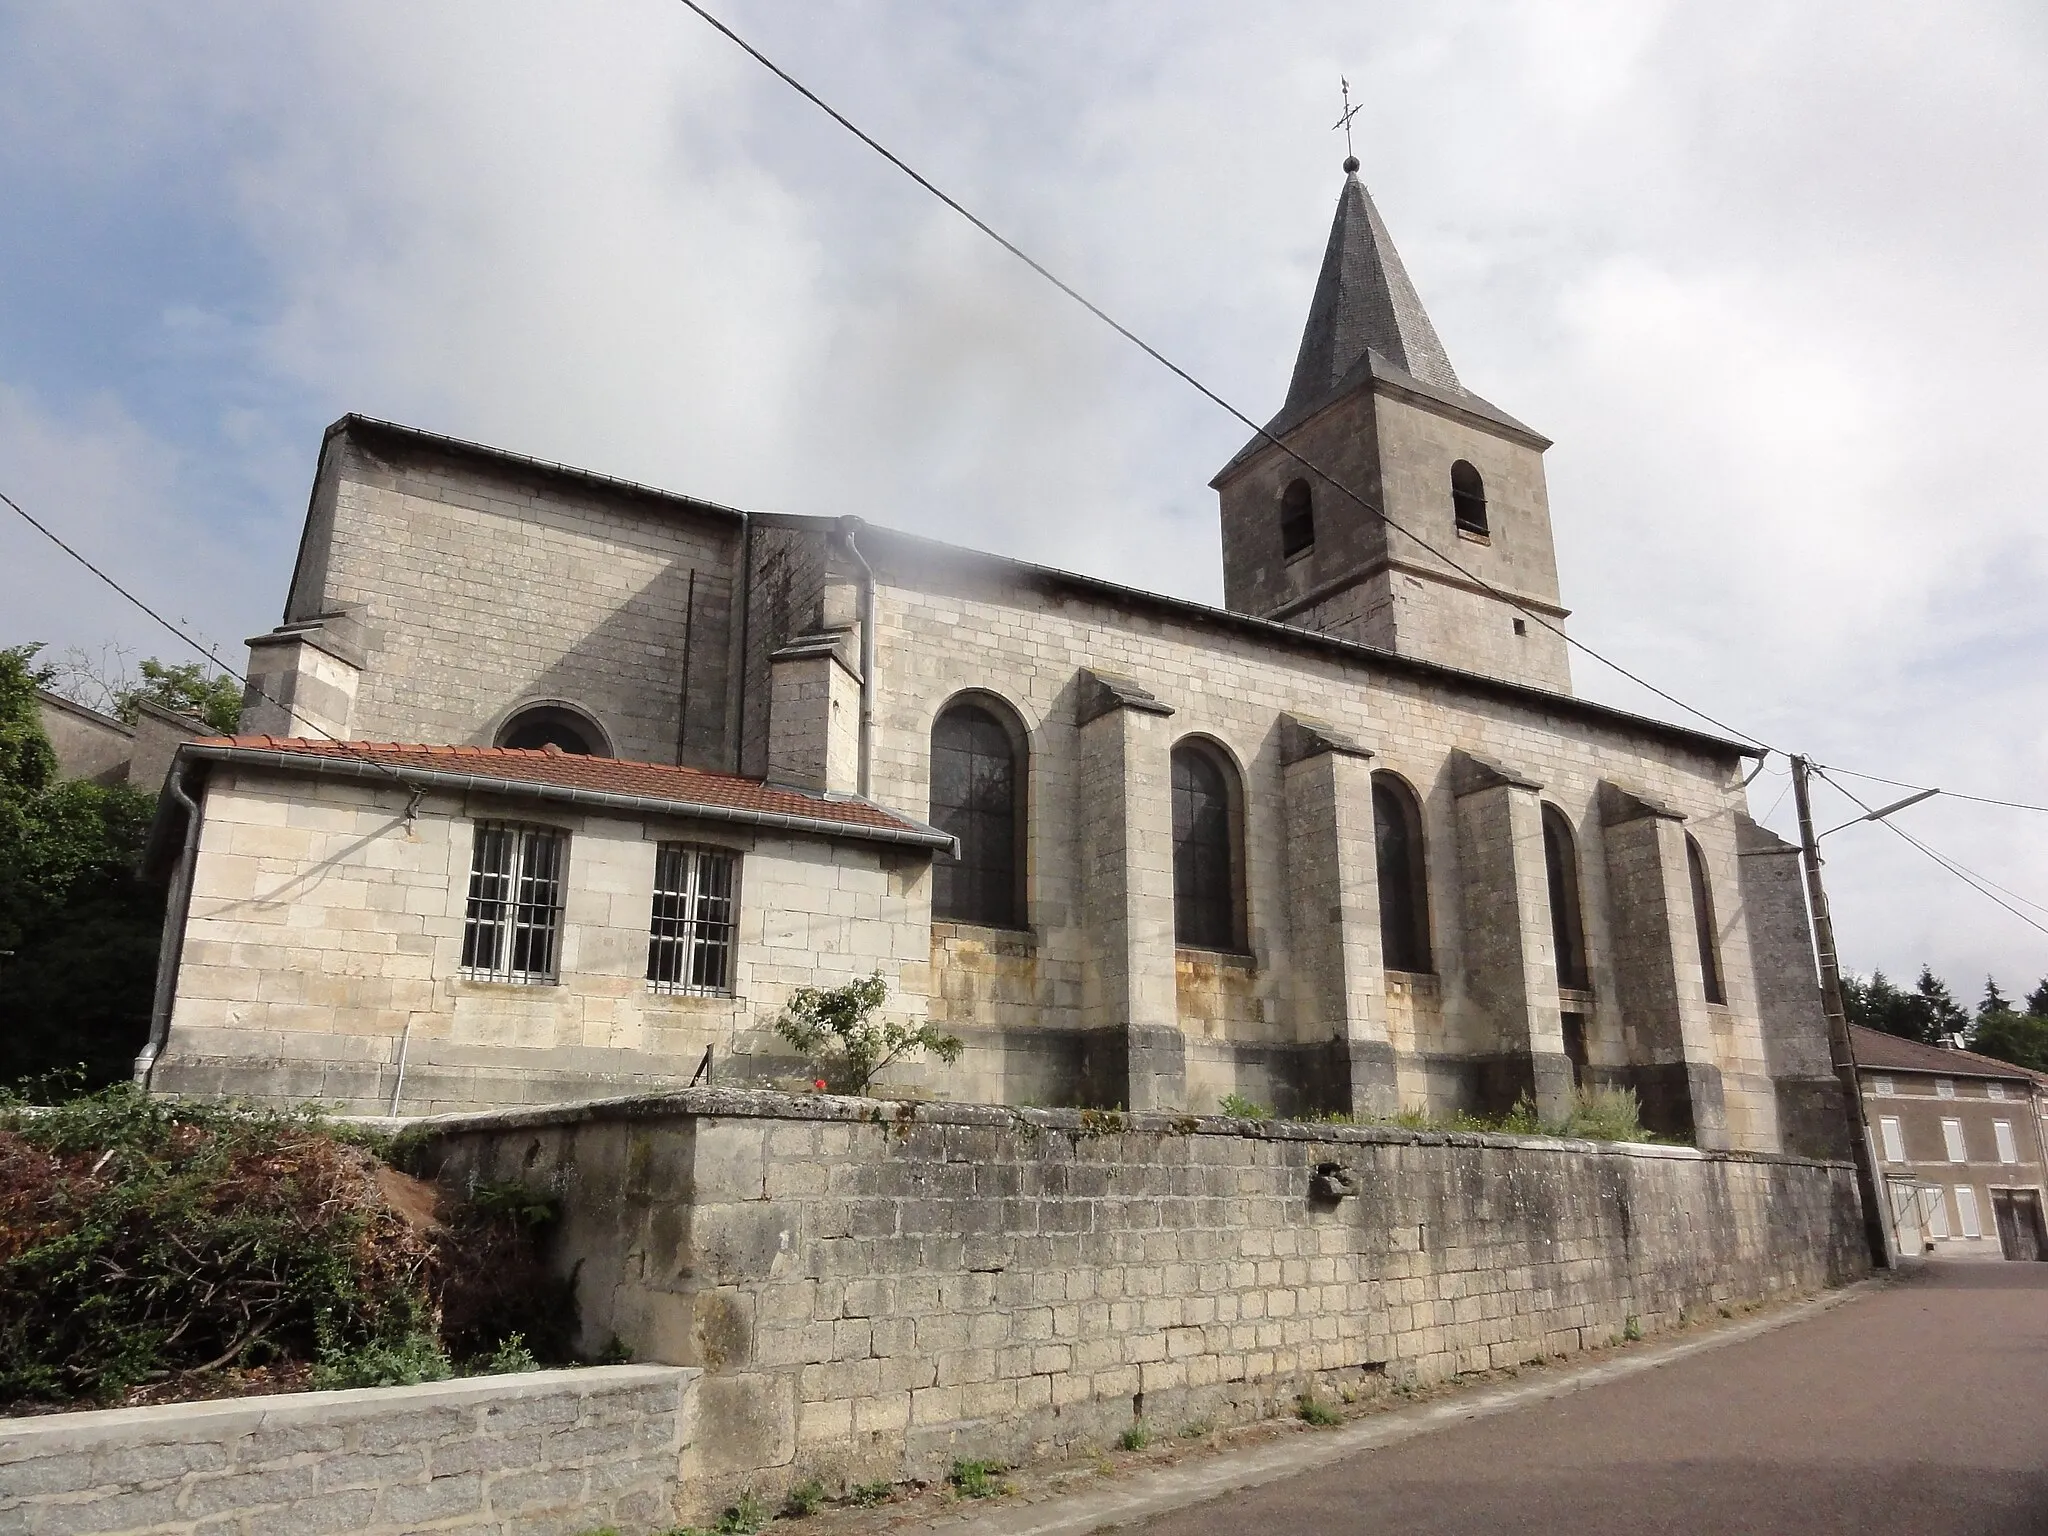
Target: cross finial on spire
1344, 122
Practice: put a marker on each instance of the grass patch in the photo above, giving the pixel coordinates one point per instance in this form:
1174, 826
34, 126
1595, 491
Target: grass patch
1313, 1410
1196, 1430
978, 1479
1238, 1107
1596, 1114
868, 1495
805, 1498
1136, 1438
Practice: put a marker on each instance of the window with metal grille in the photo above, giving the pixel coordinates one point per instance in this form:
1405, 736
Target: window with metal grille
513, 925
1994, 1090
1403, 878
977, 784
1468, 498
1297, 520
1885, 1087
696, 914
1204, 850
1707, 928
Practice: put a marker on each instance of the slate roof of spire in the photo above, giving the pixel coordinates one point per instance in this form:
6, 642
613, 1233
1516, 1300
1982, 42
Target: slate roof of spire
1363, 302
1367, 322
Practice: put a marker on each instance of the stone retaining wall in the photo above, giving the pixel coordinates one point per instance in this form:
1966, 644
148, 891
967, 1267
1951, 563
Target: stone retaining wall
873, 1289
543, 1452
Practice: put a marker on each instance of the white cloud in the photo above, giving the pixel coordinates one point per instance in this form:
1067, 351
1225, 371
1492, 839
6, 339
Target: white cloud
1769, 275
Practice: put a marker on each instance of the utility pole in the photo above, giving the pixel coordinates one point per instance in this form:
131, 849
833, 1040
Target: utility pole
1841, 1044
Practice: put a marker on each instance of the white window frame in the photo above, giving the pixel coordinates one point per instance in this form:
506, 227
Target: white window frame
2008, 1148
1944, 1087
1968, 1222
512, 921
1883, 1087
1936, 1211
1952, 1139
1894, 1143
693, 926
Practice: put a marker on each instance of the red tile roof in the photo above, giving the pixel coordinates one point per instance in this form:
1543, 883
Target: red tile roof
1890, 1053
550, 769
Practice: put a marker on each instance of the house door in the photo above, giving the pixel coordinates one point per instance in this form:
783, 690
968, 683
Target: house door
2018, 1212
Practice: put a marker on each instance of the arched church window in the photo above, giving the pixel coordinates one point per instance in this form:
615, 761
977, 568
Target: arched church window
1297, 519
1205, 849
978, 763
1567, 917
1403, 875
554, 725
1468, 498
1703, 921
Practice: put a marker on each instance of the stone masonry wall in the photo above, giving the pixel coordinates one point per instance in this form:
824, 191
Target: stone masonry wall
324, 948
544, 1452
873, 1289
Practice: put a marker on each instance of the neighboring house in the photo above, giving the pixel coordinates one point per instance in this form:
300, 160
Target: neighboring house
1959, 1140
90, 745
1348, 843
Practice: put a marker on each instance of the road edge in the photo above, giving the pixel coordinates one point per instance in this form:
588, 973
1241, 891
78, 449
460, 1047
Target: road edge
1143, 1495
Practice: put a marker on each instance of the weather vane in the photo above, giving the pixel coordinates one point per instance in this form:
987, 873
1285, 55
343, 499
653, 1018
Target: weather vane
1344, 122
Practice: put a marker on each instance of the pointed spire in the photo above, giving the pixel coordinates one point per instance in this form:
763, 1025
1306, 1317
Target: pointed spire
1363, 302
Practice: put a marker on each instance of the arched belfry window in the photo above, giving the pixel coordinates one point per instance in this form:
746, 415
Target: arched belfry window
554, 725
1297, 519
1468, 498
1404, 875
1567, 916
1703, 921
1205, 849
978, 776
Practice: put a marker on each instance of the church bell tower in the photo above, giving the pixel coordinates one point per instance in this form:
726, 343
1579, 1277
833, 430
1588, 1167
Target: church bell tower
1376, 415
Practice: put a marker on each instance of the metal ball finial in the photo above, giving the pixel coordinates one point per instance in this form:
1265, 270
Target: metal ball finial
1351, 165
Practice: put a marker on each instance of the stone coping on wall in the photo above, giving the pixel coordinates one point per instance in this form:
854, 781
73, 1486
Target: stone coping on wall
769, 1104
552, 1451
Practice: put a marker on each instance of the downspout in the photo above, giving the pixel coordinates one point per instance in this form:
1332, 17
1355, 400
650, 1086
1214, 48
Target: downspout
176, 907
848, 527
746, 659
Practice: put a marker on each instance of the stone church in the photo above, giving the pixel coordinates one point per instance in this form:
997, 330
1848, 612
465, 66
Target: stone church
555, 786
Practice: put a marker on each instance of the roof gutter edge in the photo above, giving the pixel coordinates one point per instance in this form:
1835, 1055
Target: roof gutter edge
908, 835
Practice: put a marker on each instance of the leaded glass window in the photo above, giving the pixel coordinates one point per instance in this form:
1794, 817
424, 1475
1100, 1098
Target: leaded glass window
976, 796
1404, 899
1204, 851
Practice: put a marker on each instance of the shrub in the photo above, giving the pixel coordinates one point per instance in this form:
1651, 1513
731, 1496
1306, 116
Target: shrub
145, 1239
1238, 1107
836, 1029
867, 1495
1136, 1438
140, 1237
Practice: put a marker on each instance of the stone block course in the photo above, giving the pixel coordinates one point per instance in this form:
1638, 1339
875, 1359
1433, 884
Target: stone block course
579, 1448
1178, 1257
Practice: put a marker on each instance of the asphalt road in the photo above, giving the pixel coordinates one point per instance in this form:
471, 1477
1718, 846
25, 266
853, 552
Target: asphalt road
1921, 1409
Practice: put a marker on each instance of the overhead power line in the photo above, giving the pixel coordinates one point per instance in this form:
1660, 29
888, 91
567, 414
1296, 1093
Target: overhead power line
1976, 882
1188, 378
1946, 794
47, 532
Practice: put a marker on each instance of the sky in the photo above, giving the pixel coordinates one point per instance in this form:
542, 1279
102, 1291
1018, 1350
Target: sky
1769, 274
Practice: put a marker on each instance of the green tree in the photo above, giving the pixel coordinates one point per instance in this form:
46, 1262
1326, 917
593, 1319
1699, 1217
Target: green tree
835, 1027
78, 928
1929, 1013
184, 689
2037, 1000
